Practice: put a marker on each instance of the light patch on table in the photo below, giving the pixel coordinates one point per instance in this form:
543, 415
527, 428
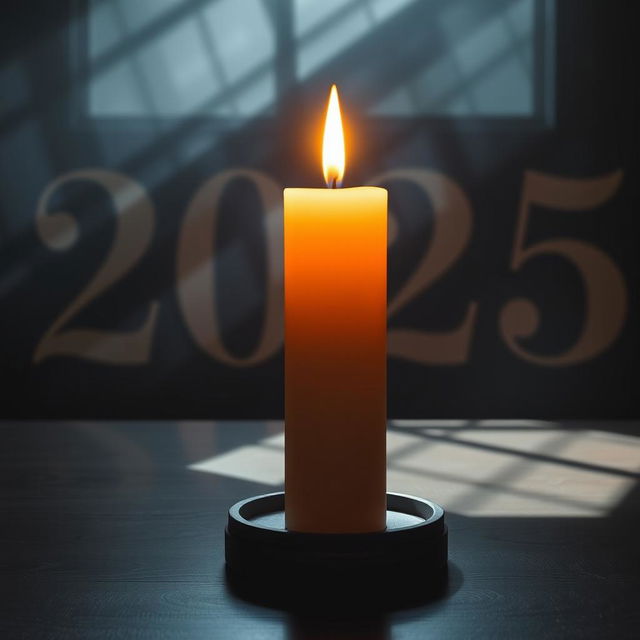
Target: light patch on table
482, 468
252, 463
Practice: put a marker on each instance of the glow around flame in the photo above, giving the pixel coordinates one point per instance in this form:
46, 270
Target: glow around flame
333, 143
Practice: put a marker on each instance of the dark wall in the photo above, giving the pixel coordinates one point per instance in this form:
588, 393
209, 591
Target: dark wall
140, 210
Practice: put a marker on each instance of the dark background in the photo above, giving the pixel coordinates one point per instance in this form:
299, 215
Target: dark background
579, 61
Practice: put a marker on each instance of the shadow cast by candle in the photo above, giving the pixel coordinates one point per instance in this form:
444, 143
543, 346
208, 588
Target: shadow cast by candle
348, 605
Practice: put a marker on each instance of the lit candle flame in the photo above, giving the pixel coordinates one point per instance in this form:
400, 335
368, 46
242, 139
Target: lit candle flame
333, 143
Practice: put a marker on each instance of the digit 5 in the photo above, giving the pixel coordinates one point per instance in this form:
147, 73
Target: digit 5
605, 290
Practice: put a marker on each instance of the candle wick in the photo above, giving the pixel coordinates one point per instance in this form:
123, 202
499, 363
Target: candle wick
334, 182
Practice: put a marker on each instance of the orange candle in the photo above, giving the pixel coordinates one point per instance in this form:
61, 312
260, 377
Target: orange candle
335, 350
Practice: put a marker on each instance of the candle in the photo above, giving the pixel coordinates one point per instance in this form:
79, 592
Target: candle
335, 349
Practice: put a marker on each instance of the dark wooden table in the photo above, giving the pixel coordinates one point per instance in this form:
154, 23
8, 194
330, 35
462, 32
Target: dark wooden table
115, 530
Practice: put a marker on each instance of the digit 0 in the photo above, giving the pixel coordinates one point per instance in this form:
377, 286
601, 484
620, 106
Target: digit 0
196, 268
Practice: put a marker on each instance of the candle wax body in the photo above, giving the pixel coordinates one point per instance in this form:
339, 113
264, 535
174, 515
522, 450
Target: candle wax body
335, 359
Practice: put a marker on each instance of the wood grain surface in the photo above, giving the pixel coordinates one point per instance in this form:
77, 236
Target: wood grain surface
106, 532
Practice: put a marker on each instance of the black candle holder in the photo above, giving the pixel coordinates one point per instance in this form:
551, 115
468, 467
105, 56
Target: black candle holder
265, 560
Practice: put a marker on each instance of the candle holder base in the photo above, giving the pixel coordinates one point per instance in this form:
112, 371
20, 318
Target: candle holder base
266, 561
